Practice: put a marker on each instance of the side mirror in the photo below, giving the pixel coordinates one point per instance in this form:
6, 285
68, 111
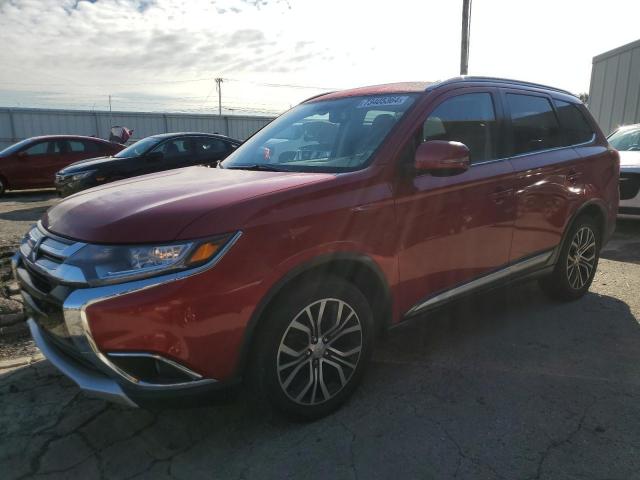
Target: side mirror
441, 156
154, 156
22, 154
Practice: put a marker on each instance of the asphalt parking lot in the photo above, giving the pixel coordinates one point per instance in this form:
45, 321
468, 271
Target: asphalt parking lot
509, 385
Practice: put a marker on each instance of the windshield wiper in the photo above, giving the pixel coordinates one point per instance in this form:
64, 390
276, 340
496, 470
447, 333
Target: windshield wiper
264, 167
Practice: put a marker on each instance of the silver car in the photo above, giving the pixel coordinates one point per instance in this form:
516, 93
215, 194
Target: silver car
627, 141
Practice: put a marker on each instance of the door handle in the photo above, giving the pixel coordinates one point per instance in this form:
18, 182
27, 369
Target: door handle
500, 194
573, 176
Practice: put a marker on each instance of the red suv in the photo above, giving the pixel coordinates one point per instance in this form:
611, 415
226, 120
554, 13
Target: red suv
283, 263
33, 163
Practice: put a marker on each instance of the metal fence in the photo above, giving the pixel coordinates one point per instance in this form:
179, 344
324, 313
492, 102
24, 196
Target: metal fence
19, 123
614, 96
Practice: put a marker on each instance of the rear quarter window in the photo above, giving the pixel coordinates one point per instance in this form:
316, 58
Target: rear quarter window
575, 126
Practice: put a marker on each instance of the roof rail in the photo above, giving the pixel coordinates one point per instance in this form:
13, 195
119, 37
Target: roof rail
318, 95
467, 78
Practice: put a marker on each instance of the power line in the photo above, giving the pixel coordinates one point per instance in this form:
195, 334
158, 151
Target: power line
97, 85
285, 85
168, 82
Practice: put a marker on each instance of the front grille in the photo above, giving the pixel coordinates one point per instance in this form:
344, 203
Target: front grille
41, 278
44, 254
40, 281
629, 185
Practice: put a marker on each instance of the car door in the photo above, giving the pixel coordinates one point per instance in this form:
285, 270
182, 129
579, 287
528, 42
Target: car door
84, 149
72, 151
36, 165
209, 150
176, 153
547, 171
457, 228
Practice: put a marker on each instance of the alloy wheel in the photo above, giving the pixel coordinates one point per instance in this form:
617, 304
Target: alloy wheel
319, 351
581, 258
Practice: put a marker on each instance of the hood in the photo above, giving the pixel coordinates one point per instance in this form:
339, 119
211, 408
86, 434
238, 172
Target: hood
90, 163
629, 158
156, 207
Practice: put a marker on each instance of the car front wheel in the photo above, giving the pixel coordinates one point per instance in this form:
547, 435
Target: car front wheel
314, 348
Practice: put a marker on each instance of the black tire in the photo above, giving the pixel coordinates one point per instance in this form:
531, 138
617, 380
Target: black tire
3, 187
574, 271
278, 335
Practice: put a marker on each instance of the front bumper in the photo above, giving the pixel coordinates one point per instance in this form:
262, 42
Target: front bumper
91, 381
629, 192
66, 186
60, 326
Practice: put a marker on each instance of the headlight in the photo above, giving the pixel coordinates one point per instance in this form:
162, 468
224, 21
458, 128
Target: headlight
107, 264
79, 176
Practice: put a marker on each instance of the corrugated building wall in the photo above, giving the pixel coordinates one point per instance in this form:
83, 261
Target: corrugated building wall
19, 123
614, 94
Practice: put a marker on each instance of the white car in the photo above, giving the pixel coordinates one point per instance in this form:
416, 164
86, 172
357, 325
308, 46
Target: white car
627, 141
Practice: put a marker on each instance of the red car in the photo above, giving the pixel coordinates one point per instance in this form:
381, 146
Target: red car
282, 264
33, 163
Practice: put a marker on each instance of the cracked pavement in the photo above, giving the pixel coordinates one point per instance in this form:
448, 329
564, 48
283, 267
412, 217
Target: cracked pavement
507, 385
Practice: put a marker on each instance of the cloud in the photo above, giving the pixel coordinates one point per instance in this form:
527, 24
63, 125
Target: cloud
139, 38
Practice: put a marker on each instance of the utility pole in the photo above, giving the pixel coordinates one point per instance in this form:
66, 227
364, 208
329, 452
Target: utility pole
466, 30
219, 88
110, 116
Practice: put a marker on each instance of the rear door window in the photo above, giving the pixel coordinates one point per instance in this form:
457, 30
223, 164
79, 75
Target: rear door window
38, 149
175, 149
534, 125
93, 147
76, 146
575, 127
468, 118
210, 147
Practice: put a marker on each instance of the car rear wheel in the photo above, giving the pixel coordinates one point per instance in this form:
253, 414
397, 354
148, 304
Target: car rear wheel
577, 262
314, 347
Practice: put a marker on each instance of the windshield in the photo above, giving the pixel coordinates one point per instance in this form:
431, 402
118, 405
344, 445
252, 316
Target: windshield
138, 148
325, 136
627, 139
15, 147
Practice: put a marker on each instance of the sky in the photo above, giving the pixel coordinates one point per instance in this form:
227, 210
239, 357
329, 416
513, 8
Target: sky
163, 55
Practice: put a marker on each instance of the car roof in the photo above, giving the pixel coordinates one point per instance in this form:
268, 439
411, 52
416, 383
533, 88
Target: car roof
202, 134
632, 126
68, 137
387, 88
425, 87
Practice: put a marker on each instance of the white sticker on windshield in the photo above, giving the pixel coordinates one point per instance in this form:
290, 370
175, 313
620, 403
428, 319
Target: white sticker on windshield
383, 101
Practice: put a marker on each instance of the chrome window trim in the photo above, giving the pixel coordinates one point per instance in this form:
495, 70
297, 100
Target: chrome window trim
593, 138
509, 270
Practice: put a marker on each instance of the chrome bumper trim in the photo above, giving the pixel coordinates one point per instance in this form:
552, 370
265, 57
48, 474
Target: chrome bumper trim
75, 318
188, 372
91, 382
77, 324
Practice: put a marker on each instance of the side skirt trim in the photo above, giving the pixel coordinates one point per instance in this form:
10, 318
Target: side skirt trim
522, 266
